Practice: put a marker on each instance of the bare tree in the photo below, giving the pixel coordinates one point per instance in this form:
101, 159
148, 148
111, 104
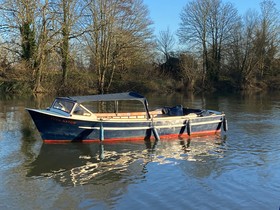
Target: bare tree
267, 37
190, 69
254, 48
206, 25
193, 29
119, 30
41, 49
46, 42
241, 56
67, 13
222, 20
165, 43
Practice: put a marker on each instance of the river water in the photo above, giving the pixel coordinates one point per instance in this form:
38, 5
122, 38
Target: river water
239, 169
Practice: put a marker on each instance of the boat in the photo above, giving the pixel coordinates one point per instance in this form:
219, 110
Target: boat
104, 117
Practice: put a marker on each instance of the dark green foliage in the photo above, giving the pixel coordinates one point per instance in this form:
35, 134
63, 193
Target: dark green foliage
28, 43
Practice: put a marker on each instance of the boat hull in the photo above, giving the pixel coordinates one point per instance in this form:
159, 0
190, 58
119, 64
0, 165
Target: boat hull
54, 128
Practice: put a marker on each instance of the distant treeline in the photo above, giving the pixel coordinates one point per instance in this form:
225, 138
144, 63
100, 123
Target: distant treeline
99, 46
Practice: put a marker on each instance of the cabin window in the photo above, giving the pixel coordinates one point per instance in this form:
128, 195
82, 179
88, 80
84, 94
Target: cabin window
80, 111
63, 105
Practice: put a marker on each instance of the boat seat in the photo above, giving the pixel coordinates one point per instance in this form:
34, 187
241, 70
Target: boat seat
127, 114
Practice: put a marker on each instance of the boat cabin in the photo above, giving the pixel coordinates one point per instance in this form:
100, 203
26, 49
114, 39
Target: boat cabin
71, 106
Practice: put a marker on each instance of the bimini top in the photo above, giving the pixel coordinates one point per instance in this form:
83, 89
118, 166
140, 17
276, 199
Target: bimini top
108, 97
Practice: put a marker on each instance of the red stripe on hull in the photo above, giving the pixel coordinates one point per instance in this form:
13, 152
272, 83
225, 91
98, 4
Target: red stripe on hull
112, 140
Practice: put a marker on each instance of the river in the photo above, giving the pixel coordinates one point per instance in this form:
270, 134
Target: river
239, 169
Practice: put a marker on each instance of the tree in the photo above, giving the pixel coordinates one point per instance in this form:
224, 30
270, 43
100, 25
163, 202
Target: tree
193, 29
165, 43
29, 20
206, 26
67, 14
267, 37
254, 47
42, 49
119, 32
20, 20
241, 56
46, 41
18, 26
190, 69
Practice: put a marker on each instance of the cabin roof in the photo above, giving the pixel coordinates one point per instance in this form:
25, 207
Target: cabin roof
108, 97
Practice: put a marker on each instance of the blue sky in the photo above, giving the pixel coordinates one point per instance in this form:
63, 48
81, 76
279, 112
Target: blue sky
166, 13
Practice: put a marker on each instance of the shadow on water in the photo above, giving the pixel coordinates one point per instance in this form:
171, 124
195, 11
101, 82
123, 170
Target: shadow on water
102, 163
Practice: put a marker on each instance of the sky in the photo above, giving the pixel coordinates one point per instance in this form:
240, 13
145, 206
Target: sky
166, 13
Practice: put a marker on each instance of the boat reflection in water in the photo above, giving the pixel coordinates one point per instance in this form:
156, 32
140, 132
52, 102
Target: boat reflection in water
78, 164
104, 163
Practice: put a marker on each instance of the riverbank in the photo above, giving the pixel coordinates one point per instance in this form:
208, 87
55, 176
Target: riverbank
82, 83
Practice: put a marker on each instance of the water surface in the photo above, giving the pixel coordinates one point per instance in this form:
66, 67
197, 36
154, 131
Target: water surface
239, 169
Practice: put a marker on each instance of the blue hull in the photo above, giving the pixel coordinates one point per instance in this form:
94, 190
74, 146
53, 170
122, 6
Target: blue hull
64, 129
